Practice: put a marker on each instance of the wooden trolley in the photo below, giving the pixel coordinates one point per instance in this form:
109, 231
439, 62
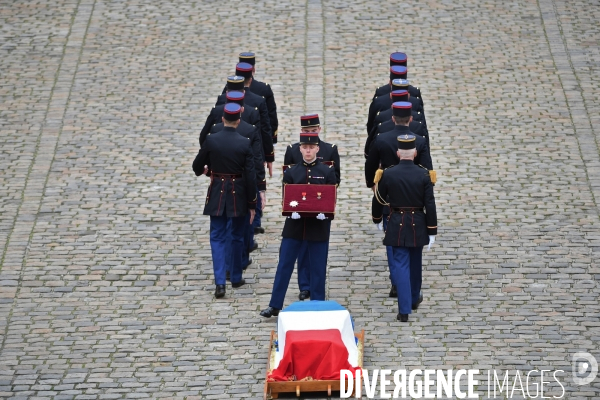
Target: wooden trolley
272, 389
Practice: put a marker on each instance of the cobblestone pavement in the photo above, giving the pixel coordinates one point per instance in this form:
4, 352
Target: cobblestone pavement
106, 287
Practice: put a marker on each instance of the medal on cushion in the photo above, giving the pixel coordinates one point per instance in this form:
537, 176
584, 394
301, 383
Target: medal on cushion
293, 203
318, 195
303, 195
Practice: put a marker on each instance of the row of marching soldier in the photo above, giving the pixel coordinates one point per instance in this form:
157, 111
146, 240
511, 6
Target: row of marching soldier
236, 143
399, 170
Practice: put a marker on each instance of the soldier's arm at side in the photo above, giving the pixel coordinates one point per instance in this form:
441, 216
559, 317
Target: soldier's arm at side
424, 157
250, 178
369, 141
371, 166
431, 212
287, 158
202, 159
272, 108
335, 157
330, 178
210, 121
259, 167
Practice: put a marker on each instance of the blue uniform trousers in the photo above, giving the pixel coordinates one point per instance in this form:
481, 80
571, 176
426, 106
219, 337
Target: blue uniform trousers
258, 216
405, 269
248, 240
304, 267
226, 246
317, 261
388, 249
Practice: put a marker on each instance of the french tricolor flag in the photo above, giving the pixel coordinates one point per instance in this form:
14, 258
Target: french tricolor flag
315, 339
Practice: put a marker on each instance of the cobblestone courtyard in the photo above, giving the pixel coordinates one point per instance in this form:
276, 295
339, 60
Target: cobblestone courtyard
106, 285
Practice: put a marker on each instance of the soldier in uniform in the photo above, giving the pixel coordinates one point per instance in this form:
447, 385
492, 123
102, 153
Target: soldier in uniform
297, 230
251, 100
231, 195
406, 188
384, 102
249, 115
264, 90
250, 132
245, 70
384, 121
327, 152
383, 154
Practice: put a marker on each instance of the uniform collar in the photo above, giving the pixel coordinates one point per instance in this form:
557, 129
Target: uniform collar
407, 162
228, 129
402, 128
312, 164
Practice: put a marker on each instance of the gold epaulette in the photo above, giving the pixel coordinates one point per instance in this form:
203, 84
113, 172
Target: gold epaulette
432, 174
378, 175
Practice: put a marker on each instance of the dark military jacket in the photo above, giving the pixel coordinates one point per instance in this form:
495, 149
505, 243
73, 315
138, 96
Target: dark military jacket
409, 192
385, 103
308, 228
387, 89
384, 149
250, 115
254, 100
232, 189
415, 126
327, 152
264, 90
250, 132
386, 115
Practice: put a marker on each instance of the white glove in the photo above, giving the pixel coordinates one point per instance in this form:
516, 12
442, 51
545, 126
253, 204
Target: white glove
431, 241
380, 226
295, 215
321, 216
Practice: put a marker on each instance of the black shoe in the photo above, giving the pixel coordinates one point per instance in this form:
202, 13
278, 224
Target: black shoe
269, 312
254, 247
238, 284
220, 291
304, 294
416, 305
402, 317
249, 262
227, 276
259, 229
393, 291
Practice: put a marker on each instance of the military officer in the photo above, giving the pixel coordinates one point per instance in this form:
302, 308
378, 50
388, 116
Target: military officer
382, 152
384, 102
406, 188
384, 121
249, 115
246, 70
327, 152
264, 90
251, 100
312, 230
228, 157
251, 133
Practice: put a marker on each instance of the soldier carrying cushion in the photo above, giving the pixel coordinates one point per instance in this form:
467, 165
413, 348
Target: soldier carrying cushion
327, 153
313, 231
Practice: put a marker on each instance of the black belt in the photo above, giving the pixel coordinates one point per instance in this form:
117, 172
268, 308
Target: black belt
226, 176
407, 209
